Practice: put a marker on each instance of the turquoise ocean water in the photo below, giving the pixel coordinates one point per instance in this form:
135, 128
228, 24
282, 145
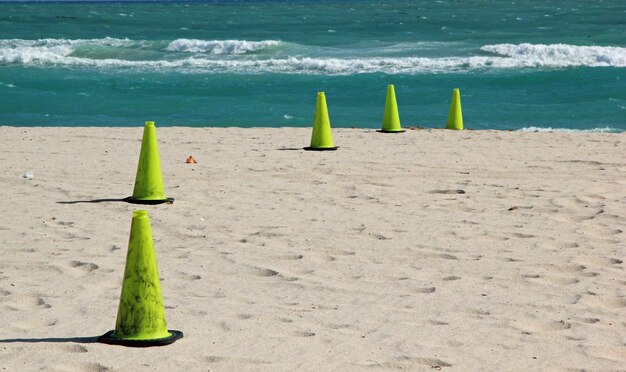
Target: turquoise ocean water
518, 64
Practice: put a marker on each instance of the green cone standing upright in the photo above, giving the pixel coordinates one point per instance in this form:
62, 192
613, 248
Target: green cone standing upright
455, 116
141, 315
322, 137
149, 181
391, 118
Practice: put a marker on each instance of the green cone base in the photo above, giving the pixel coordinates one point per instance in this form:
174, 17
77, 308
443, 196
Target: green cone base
391, 131
108, 338
132, 200
321, 148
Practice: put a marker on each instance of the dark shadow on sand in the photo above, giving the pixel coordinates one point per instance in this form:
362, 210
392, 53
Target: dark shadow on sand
123, 200
80, 340
289, 148
93, 201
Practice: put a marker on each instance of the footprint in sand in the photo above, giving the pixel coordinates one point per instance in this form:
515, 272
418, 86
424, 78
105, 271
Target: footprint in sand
289, 257
339, 326
571, 268
602, 301
561, 280
410, 363
379, 236
575, 209
95, 367
478, 312
531, 276
567, 245
41, 303
339, 252
425, 290
599, 261
443, 256
437, 323
522, 236
264, 272
24, 302
304, 333
540, 326
507, 259
75, 348
86, 266
447, 192
601, 232
590, 320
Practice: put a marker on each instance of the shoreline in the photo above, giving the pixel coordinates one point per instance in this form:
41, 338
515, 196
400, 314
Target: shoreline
468, 250
533, 129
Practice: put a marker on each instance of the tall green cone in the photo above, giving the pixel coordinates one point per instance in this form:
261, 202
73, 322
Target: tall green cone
149, 182
391, 118
141, 315
322, 137
455, 116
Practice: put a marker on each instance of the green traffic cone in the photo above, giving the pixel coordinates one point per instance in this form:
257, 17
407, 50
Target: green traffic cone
455, 116
391, 118
321, 138
149, 182
141, 315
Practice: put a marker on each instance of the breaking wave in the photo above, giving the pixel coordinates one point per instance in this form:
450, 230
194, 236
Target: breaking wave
559, 55
240, 56
219, 46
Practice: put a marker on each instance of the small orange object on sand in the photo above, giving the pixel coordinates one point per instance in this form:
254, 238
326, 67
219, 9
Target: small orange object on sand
190, 160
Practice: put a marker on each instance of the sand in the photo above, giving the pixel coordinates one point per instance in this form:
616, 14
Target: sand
432, 249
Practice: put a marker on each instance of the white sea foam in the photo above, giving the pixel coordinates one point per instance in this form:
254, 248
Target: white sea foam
62, 55
47, 43
219, 46
559, 55
567, 130
51, 51
225, 57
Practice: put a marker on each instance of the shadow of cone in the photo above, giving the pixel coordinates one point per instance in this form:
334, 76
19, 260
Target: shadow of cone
322, 137
391, 118
149, 182
141, 315
455, 116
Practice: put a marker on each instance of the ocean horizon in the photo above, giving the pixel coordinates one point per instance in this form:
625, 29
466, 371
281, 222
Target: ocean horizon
525, 65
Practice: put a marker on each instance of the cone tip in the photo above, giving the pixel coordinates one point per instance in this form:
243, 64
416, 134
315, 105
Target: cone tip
456, 89
140, 213
320, 93
149, 123
390, 86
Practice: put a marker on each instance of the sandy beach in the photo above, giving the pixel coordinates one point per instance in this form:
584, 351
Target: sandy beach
431, 249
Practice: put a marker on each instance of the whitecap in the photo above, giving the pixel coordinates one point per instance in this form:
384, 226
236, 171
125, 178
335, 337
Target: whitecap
559, 55
219, 46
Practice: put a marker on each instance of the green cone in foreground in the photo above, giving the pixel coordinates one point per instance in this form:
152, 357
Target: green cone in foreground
141, 315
